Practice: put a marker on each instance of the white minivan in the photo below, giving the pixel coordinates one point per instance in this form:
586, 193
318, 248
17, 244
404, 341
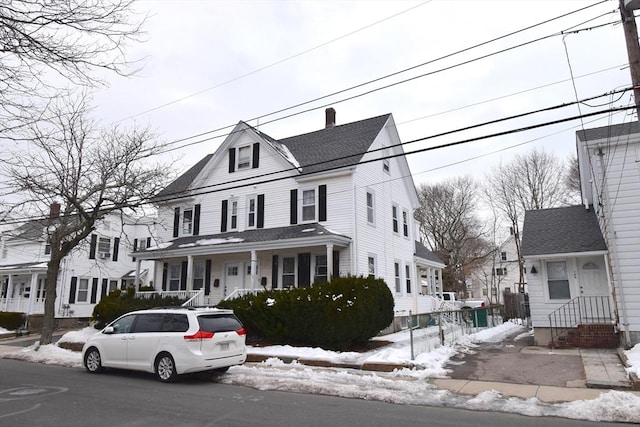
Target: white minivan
168, 342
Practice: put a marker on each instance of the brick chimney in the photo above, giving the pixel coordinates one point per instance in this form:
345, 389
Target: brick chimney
54, 210
330, 115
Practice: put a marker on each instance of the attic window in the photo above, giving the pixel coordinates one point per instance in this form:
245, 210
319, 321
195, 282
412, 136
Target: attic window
244, 157
385, 165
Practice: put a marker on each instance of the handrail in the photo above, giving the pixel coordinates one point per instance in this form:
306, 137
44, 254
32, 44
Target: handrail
579, 311
195, 300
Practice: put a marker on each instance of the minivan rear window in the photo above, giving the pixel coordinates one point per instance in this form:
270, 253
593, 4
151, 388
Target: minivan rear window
219, 323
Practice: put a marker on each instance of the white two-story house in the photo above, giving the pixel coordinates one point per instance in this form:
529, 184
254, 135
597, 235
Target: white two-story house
96, 267
583, 262
262, 213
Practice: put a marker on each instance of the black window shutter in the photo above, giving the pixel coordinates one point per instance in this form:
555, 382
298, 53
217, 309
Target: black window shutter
116, 247
336, 263
207, 277
260, 223
183, 276
322, 200
92, 248
176, 222
72, 290
274, 272
94, 290
256, 155
103, 292
304, 270
196, 220
232, 160
135, 248
294, 207
223, 224
165, 272
148, 242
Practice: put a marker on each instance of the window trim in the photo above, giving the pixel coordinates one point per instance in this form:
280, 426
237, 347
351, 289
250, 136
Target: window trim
252, 198
233, 203
372, 257
407, 278
170, 270
503, 256
405, 223
316, 265
315, 204
395, 222
79, 289
547, 280
186, 224
293, 274
244, 164
397, 274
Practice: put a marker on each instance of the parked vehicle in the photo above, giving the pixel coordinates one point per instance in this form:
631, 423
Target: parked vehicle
168, 342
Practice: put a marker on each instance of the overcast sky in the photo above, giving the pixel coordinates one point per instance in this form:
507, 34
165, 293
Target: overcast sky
209, 64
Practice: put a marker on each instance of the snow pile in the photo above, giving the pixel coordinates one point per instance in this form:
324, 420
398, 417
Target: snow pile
4, 331
49, 354
633, 360
80, 336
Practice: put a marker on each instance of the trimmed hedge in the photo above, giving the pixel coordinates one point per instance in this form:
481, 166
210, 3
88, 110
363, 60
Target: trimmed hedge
120, 302
11, 321
337, 315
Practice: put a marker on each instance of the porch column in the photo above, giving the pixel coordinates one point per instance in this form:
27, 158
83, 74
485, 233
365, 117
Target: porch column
33, 288
136, 280
254, 267
329, 261
189, 285
432, 280
9, 292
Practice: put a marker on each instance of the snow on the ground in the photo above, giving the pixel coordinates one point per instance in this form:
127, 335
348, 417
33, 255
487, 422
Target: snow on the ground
633, 360
4, 331
80, 336
406, 386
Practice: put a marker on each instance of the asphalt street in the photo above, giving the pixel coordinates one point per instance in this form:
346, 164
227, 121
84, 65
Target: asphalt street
33, 394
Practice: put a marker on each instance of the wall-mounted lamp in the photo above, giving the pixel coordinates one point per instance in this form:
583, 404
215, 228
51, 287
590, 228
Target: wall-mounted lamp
533, 269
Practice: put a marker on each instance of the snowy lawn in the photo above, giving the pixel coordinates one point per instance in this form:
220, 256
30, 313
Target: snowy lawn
403, 386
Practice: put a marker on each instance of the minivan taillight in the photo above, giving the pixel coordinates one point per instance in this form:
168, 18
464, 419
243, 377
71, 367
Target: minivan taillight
241, 331
199, 336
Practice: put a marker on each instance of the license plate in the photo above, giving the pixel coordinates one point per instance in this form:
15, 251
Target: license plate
224, 346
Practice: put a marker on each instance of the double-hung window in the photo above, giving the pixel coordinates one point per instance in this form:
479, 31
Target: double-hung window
244, 157
407, 275
175, 271
233, 214
394, 217
321, 269
558, 280
83, 290
396, 269
104, 247
370, 208
309, 205
187, 221
198, 274
405, 223
371, 265
251, 211
288, 271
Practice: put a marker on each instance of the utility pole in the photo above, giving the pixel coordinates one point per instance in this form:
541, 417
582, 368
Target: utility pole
633, 48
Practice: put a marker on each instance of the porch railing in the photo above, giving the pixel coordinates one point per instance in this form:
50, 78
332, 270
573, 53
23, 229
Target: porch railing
580, 311
180, 294
237, 293
21, 305
196, 300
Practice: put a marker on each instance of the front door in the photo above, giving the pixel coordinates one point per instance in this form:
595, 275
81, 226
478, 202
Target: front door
234, 278
592, 276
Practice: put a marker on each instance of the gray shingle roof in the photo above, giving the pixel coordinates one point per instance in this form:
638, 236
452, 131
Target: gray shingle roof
613, 132
335, 146
328, 148
261, 235
561, 230
423, 252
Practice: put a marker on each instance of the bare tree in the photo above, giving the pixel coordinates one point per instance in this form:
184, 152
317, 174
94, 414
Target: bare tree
67, 161
46, 46
530, 181
572, 180
450, 228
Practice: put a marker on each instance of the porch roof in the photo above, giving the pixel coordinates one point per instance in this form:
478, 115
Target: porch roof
567, 230
23, 267
242, 241
423, 252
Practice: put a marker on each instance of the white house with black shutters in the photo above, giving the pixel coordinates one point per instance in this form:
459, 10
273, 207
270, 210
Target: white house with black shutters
262, 213
96, 267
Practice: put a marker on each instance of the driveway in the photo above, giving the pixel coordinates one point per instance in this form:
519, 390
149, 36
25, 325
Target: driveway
520, 362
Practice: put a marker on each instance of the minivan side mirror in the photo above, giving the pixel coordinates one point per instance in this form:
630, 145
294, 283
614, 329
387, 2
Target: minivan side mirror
108, 330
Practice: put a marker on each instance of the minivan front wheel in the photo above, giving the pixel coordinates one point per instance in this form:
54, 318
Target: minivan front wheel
92, 360
165, 368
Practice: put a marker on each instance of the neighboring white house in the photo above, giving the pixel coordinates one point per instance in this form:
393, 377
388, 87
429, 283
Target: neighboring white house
262, 213
498, 273
96, 267
583, 262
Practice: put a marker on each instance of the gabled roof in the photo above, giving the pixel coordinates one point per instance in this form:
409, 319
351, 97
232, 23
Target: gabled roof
325, 149
570, 229
423, 252
335, 146
226, 241
613, 132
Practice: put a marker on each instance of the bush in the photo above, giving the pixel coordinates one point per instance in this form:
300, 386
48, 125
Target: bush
347, 311
11, 321
120, 302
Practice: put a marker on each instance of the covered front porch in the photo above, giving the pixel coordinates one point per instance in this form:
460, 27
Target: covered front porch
23, 287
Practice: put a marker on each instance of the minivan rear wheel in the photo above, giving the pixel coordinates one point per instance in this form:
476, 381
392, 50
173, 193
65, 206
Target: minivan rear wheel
165, 368
92, 360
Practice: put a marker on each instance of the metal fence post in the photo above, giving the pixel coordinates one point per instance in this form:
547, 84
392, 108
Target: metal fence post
411, 332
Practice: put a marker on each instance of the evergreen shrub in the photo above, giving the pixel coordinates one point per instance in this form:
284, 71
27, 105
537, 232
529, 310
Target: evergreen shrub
336, 315
120, 302
11, 321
